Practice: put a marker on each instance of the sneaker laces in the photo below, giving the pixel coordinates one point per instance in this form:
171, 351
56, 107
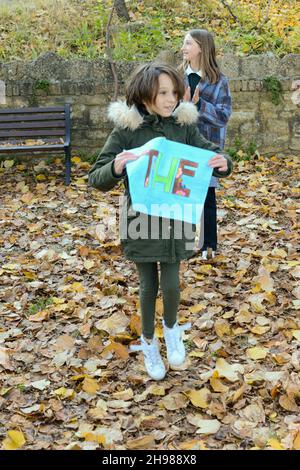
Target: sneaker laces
174, 336
151, 350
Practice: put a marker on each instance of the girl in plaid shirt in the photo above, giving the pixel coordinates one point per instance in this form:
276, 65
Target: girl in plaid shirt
208, 88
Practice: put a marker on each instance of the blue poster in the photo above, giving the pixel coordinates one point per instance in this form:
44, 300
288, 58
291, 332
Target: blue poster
169, 179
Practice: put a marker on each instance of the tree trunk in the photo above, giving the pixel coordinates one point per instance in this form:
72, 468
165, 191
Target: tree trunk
121, 10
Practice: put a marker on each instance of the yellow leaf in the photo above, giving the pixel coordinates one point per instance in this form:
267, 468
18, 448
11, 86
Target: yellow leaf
20, 167
76, 160
230, 372
117, 348
124, 394
264, 281
80, 182
259, 330
196, 354
296, 334
64, 392
27, 197
205, 269
158, 390
197, 308
40, 316
90, 386
88, 264
296, 443
222, 327
192, 445
8, 163
144, 442
41, 177
159, 331
218, 386
199, 398
14, 440
275, 444
93, 437
279, 253
76, 287
29, 275
135, 324
257, 353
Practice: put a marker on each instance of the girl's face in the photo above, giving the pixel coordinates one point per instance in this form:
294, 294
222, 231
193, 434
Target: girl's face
191, 50
166, 99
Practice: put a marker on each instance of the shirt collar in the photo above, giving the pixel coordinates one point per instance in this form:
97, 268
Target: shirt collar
189, 70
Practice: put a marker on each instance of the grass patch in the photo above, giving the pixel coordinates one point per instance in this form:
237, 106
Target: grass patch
242, 150
39, 305
73, 28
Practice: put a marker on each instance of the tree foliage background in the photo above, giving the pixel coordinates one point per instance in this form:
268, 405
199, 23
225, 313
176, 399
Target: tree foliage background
245, 27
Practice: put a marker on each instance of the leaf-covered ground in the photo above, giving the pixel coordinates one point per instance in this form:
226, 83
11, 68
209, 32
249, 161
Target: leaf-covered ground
69, 311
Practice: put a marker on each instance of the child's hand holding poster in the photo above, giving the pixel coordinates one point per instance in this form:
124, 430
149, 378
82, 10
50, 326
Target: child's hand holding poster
169, 179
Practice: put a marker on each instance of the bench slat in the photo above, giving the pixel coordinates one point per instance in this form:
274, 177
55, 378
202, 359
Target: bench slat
53, 109
32, 148
32, 125
20, 127
31, 133
32, 117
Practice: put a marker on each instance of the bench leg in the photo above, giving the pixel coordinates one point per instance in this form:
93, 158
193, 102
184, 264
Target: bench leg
68, 166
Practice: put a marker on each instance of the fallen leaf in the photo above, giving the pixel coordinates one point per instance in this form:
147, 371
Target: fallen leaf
206, 426
275, 444
199, 398
116, 323
218, 386
296, 334
174, 401
14, 440
144, 442
222, 327
40, 384
257, 353
90, 386
4, 359
230, 372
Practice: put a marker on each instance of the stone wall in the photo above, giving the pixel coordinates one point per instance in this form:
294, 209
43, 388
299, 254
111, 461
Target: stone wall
87, 85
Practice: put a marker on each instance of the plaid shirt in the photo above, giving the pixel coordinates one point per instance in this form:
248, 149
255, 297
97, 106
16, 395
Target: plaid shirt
214, 108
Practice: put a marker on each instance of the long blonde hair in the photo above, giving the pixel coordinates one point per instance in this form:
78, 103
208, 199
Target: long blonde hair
208, 63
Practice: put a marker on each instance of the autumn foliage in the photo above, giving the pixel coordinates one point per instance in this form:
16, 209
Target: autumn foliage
70, 311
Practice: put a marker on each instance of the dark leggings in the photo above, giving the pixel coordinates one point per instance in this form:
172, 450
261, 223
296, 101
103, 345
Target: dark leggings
169, 282
210, 221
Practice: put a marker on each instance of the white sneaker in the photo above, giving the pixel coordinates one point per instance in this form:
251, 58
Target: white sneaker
174, 343
205, 255
152, 358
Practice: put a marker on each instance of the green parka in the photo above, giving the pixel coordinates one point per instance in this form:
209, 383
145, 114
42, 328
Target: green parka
132, 130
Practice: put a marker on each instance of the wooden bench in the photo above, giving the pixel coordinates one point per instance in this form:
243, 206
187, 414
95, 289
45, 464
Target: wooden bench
37, 130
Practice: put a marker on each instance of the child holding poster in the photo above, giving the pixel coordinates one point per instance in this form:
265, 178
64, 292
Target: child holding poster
208, 89
151, 110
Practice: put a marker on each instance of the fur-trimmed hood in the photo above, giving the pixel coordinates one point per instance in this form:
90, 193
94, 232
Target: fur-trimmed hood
129, 117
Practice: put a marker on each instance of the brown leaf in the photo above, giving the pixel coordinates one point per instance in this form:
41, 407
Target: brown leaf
144, 442
4, 359
118, 348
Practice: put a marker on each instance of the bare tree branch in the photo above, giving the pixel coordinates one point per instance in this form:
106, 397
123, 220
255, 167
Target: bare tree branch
266, 16
225, 4
109, 55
